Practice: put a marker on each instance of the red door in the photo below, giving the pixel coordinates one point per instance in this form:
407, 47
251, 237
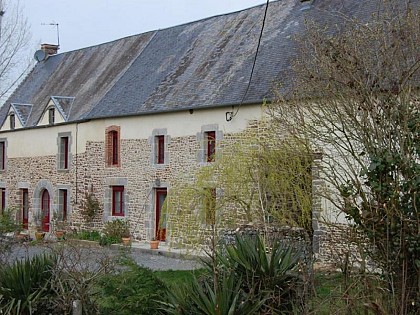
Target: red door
25, 208
45, 210
160, 229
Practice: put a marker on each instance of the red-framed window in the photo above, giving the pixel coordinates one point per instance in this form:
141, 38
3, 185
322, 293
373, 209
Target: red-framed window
64, 153
210, 205
25, 208
3, 199
210, 141
51, 116
112, 146
118, 201
12, 121
160, 149
2, 155
62, 204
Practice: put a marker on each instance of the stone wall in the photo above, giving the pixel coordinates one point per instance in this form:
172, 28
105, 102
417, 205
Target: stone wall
140, 176
296, 238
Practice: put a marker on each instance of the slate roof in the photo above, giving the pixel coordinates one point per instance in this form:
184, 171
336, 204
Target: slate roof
202, 64
23, 111
64, 105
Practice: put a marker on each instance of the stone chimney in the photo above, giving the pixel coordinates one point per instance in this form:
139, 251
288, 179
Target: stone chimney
50, 49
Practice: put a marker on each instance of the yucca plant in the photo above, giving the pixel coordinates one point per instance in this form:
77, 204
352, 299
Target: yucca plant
202, 297
270, 271
23, 283
248, 280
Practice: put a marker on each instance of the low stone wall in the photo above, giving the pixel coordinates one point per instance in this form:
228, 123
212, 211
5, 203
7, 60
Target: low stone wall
297, 238
342, 246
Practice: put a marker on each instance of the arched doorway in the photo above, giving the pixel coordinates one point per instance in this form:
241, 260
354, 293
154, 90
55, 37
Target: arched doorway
45, 210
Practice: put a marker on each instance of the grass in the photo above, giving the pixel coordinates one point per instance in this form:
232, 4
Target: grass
175, 277
360, 293
332, 295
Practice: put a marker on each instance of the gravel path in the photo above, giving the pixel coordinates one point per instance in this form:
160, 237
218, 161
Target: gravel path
92, 257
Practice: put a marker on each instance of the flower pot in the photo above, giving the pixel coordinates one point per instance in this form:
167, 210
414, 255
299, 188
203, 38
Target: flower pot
39, 236
60, 235
21, 237
154, 244
126, 240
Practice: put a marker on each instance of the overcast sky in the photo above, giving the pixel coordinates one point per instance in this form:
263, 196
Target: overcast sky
84, 23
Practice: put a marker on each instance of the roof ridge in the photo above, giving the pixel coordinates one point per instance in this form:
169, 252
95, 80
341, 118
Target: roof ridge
166, 28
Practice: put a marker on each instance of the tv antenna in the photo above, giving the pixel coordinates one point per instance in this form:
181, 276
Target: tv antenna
58, 32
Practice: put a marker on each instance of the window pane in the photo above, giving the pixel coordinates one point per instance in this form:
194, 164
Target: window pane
117, 200
51, 115
12, 122
63, 154
160, 149
62, 204
3, 200
2, 155
115, 148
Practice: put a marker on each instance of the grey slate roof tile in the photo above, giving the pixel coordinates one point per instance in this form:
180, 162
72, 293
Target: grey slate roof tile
206, 63
23, 111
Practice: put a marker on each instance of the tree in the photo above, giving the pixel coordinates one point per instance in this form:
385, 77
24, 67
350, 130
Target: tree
14, 39
355, 96
261, 179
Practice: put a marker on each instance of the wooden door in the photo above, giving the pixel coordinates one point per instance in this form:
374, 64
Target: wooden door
25, 208
160, 228
45, 210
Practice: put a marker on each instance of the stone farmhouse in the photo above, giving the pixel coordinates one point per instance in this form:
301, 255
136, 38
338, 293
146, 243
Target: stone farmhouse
123, 119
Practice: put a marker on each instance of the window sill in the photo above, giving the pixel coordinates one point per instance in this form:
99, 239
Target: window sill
113, 166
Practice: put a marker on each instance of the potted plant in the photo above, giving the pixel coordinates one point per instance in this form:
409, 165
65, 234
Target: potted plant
39, 233
60, 226
125, 234
60, 230
154, 243
19, 235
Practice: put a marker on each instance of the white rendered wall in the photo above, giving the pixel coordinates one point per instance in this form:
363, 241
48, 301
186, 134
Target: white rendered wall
43, 141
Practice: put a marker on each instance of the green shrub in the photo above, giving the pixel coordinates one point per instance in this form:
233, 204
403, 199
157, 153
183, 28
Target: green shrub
114, 231
131, 291
274, 272
204, 298
108, 240
87, 236
24, 284
7, 223
248, 281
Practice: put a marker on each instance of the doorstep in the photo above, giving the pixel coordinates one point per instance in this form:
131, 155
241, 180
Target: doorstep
163, 250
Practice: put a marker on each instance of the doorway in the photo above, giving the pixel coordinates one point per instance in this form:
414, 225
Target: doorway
45, 211
160, 224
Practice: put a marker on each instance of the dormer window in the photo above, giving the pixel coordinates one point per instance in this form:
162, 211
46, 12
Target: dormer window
51, 116
12, 121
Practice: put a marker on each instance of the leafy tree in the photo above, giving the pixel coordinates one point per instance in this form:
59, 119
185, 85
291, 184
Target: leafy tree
355, 98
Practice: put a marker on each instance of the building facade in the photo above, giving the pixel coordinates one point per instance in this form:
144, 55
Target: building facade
122, 120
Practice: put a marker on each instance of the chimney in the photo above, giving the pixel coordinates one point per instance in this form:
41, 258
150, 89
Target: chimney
50, 49
306, 4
